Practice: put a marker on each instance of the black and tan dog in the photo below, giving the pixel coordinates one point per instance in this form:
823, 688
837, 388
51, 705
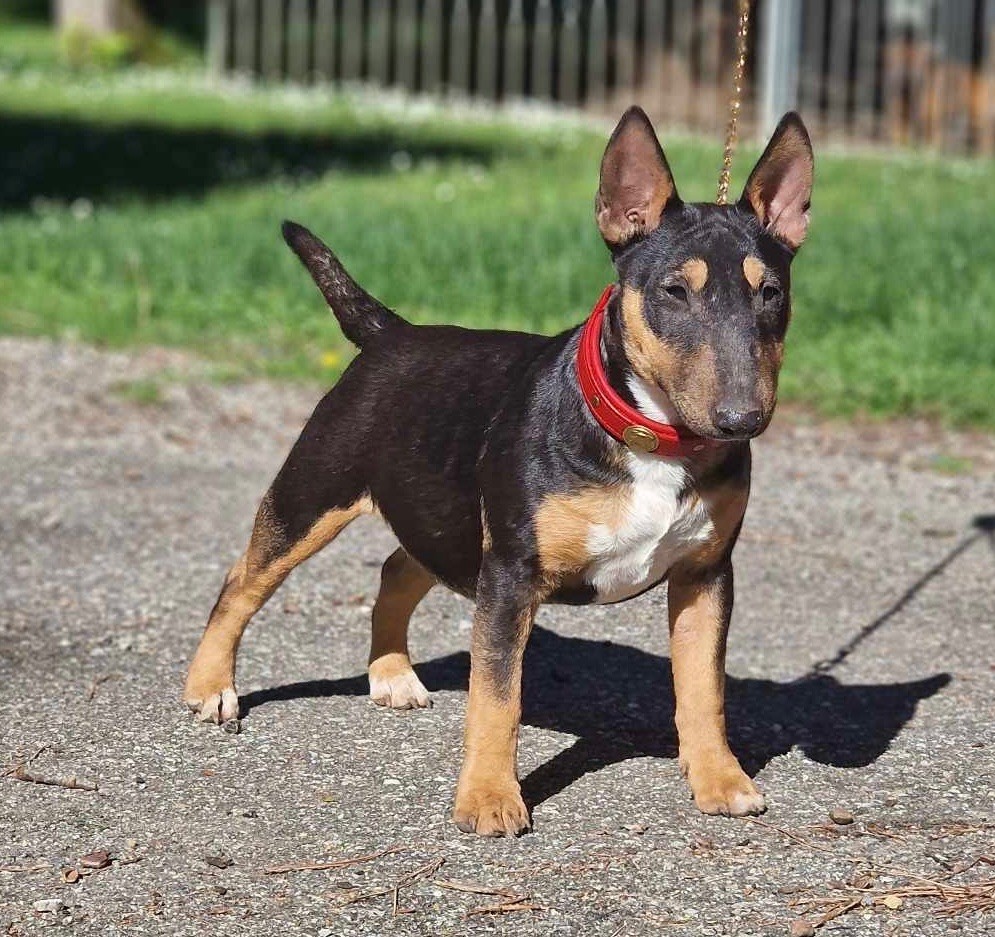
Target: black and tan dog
519, 469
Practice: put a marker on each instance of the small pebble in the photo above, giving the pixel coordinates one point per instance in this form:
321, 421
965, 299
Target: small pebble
70, 876
219, 862
802, 928
892, 902
48, 905
98, 859
841, 816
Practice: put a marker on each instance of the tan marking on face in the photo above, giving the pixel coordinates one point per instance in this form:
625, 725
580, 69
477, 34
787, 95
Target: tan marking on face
563, 524
403, 584
650, 358
754, 270
693, 386
695, 272
249, 583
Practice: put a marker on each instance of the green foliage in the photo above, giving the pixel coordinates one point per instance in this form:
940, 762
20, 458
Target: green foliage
154, 218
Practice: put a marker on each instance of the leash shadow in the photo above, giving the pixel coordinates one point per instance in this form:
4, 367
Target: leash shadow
617, 701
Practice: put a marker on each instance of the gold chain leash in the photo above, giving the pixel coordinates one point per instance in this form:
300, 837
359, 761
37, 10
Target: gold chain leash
736, 101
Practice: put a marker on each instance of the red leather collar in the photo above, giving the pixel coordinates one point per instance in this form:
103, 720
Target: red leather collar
620, 420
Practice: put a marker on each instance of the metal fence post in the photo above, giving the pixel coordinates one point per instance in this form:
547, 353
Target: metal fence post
218, 36
780, 42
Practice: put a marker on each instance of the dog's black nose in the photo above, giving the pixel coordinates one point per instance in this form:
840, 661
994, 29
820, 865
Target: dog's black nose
737, 422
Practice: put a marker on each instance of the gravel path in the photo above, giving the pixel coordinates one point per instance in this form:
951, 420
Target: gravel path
118, 520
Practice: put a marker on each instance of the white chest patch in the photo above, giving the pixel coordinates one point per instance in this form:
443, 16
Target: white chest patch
655, 531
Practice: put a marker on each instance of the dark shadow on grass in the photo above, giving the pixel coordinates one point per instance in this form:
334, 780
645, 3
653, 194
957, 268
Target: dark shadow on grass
66, 159
618, 701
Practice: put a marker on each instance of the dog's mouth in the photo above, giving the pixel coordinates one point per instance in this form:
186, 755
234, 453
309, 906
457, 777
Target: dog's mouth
724, 423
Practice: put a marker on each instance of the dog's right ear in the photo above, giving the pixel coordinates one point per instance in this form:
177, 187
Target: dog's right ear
636, 182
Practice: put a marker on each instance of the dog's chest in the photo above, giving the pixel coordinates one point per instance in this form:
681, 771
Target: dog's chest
659, 522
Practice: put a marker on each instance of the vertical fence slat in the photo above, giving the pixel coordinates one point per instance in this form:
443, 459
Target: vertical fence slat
431, 56
378, 42
839, 64
272, 39
459, 47
568, 81
218, 35
246, 33
813, 62
352, 40
597, 55
514, 52
712, 73
681, 76
653, 79
298, 39
542, 51
487, 58
868, 19
938, 85
406, 31
325, 59
625, 48
986, 122
961, 106
893, 76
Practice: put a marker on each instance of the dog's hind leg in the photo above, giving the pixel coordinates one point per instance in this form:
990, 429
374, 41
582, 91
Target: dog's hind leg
403, 584
282, 538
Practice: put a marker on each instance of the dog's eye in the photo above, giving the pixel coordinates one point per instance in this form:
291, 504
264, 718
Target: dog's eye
770, 294
678, 291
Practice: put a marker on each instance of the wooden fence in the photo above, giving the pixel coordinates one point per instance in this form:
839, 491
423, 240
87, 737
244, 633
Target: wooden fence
891, 71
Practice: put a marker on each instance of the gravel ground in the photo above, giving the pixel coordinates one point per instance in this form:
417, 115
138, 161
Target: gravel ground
118, 520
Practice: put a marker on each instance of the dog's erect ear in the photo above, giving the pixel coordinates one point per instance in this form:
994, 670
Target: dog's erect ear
636, 183
780, 187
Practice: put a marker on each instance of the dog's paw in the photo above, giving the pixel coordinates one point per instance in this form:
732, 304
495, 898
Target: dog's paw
398, 688
727, 791
212, 703
489, 810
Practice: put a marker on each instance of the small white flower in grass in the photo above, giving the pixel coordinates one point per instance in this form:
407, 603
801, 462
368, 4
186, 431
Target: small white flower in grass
400, 161
445, 192
82, 209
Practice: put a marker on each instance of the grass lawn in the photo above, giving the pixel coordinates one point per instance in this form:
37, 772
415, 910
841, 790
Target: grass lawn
144, 207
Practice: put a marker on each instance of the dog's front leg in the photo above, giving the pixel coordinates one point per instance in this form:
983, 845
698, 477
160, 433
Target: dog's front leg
700, 604
488, 797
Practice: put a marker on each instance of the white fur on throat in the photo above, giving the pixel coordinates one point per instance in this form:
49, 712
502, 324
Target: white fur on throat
656, 529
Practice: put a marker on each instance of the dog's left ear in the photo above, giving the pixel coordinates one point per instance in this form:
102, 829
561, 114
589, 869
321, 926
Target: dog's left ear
779, 189
636, 183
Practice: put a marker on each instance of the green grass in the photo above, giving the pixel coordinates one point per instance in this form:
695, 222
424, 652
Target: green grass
145, 208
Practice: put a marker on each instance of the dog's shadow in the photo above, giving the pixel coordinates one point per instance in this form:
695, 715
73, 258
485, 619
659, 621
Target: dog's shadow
618, 701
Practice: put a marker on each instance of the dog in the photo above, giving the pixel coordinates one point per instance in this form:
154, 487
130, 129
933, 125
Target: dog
518, 469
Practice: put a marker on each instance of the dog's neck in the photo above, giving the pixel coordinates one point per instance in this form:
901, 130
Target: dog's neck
648, 398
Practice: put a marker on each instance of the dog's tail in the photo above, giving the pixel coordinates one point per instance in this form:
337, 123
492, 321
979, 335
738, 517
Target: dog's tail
361, 316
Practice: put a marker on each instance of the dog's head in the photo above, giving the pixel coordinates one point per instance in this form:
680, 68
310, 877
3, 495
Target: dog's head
705, 288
